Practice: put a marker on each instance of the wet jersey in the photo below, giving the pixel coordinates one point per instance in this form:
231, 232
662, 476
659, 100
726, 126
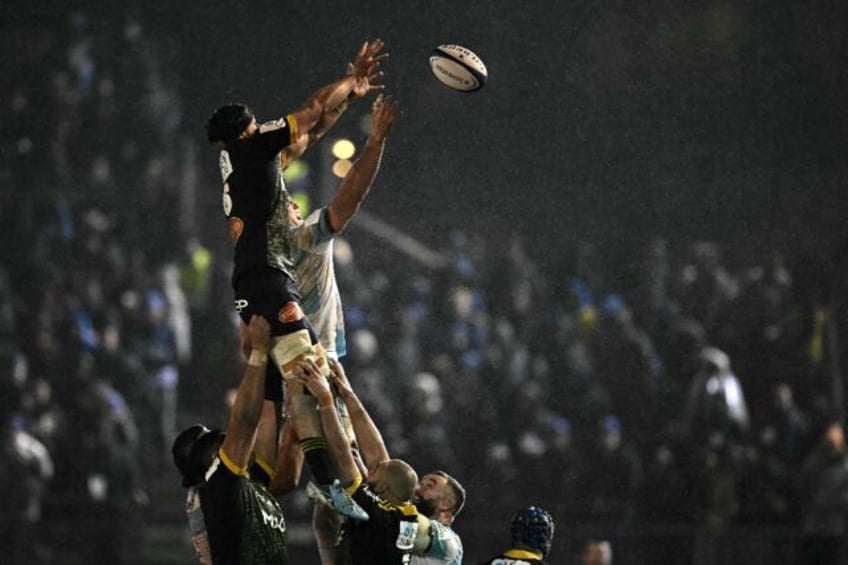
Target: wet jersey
316, 281
516, 557
255, 198
386, 538
445, 547
244, 523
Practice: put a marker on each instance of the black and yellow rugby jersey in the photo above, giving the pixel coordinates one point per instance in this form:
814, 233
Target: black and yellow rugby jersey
385, 539
245, 523
255, 198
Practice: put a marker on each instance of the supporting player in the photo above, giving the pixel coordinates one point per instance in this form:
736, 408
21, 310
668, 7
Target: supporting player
316, 280
532, 536
439, 498
232, 518
389, 535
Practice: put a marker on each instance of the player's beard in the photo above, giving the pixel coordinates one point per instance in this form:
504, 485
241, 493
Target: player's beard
425, 507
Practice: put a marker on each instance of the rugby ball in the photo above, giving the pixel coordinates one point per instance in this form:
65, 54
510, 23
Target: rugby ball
458, 67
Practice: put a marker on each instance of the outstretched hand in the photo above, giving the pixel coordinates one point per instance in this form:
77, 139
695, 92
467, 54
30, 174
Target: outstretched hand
384, 113
366, 67
309, 375
340, 379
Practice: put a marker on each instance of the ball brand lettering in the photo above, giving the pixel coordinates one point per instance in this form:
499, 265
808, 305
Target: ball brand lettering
458, 67
463, 52
446, 72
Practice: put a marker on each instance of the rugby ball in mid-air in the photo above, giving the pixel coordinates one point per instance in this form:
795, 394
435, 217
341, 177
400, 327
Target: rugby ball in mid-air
458, 67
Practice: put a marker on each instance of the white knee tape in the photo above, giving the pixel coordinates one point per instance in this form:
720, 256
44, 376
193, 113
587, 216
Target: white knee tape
292, 348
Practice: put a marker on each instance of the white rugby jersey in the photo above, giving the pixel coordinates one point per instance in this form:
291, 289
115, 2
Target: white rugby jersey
312, 244
445, 547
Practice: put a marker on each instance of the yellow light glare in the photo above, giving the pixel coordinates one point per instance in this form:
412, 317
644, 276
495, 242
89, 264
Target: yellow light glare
296, 171
303, 202
341, 167
343, 149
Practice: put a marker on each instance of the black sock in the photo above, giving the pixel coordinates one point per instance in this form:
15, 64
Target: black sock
318, 458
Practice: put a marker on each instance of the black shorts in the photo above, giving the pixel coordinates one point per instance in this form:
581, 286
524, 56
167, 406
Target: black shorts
266, 292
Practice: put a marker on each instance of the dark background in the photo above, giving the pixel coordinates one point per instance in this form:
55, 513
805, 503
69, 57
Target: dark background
612, 121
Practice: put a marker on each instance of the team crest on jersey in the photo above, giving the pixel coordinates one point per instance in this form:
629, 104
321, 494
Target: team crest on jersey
291, 312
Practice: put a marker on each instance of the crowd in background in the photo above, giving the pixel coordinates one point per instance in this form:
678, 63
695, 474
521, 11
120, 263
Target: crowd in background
687, 388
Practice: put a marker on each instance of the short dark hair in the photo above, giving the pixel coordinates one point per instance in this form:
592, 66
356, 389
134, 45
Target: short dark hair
227, 122
188, 452
457, 489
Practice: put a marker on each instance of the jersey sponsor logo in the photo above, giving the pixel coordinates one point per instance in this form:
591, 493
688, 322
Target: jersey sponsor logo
291, 312
274, 522
273, 125
241, 304
406, 535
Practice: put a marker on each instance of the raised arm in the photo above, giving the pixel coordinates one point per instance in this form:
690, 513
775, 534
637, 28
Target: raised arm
370, 440
311, 377
323, 109
356, 184
289, 457
267, 436
247, 407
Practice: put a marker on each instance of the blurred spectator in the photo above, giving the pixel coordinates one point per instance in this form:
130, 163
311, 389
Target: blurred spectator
824, 497
157, 341
26, 468
426, 425
107, 471
610, 477
597, 552
704, 287
562, 464
718, 464
715, 402
786, 426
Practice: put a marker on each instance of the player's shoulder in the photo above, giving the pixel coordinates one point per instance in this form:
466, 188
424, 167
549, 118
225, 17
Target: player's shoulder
445, 532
